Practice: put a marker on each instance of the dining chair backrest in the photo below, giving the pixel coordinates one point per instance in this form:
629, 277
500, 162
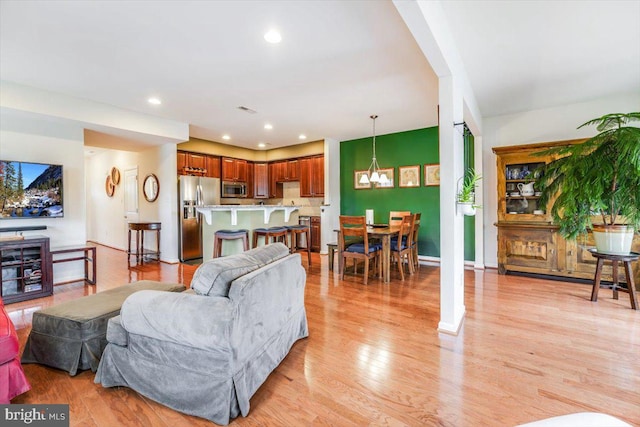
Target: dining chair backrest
353, 229
416, 226
405, 234
395, 217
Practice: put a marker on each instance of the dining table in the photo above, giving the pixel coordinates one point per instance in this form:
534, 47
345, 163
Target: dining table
384, 232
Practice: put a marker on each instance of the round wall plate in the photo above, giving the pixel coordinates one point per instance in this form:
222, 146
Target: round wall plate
109, 186
115, 175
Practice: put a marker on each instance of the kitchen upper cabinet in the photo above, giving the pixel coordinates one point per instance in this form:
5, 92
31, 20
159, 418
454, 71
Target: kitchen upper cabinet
286, 170
261, 180
250, 180
312, 176
275, 187
213, 166
292, 170
191, 163
234, 169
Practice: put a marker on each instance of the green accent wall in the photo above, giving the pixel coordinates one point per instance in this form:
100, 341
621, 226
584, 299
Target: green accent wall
415, 147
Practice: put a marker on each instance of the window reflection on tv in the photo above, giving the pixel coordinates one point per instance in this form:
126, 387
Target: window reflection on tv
30, 190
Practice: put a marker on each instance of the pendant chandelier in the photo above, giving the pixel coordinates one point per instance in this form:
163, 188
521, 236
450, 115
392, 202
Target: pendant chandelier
373, 173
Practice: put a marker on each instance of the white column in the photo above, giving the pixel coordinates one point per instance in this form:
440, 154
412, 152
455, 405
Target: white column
451, 223
479, 218
330, 211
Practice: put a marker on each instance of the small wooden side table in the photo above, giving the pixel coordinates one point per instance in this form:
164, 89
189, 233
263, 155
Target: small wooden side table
615, 285
141, 252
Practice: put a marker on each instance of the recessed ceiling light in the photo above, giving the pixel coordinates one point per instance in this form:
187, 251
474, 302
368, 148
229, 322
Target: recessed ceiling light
154, 101
268, 126
302, 136
226, 137
262, 145
273, 36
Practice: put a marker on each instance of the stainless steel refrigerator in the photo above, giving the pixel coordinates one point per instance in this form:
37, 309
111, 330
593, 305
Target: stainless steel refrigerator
194, 191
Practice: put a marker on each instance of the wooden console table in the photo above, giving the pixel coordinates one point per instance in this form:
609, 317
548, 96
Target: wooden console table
86, 250
615, 285
141, 252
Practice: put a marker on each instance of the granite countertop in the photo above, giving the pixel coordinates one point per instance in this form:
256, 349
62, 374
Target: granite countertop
207, 210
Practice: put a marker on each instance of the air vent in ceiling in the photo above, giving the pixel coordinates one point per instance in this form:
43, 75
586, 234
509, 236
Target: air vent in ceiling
248, 110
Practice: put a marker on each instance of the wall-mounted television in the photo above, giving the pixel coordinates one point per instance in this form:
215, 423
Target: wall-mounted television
30, 190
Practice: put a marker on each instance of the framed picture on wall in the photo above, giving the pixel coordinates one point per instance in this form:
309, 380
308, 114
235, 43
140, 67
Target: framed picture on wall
390, 182
409, 176
356, 180
432, 174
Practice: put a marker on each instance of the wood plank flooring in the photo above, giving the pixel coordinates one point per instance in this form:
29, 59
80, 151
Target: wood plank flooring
528, 349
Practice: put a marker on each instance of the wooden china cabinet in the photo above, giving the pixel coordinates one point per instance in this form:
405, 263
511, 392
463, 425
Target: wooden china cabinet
528, 241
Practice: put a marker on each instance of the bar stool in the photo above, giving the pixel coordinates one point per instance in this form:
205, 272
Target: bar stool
296, 231
221, 235
277, 234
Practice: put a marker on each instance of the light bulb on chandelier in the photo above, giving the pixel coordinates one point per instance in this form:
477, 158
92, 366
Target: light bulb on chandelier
374, 174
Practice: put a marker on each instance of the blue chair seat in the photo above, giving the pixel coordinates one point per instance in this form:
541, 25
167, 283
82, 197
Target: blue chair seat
359, 248
276, 229
394, 243
297, 227
230, 233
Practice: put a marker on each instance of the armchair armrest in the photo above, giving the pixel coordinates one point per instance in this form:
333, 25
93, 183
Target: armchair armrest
188, 319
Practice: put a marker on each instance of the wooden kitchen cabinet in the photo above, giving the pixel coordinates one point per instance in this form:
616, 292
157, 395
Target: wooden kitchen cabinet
213, 166
528, 241
315, 234
198, 164
286, 170
275, 187
312, 176
261, 180
235, 170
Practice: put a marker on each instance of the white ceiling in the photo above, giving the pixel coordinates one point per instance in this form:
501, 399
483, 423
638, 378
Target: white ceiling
339, 61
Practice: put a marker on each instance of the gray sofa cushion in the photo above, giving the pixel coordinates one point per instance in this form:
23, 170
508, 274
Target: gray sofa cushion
214, 277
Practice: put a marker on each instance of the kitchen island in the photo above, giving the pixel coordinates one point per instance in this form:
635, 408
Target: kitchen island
236, 217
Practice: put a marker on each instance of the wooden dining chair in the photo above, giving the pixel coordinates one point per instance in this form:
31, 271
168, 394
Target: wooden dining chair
395, 217
402, 245
416, 228
354, 228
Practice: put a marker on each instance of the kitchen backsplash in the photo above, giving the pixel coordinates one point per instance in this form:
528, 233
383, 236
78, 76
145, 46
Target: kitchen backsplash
291, 196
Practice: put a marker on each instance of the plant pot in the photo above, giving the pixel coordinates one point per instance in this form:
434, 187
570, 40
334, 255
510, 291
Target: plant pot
466, 208
613, 239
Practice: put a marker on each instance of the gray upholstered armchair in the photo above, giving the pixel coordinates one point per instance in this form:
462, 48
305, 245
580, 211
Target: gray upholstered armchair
206, 351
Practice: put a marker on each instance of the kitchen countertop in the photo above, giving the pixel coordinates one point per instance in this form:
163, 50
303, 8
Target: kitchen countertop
207, 211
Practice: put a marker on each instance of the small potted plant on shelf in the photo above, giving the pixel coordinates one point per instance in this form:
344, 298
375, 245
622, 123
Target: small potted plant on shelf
466, 198
599, 178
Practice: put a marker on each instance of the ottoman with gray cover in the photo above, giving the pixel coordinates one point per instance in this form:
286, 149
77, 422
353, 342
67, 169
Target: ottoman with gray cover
72, 335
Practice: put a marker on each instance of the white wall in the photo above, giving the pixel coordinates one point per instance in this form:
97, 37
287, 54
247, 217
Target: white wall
67, 151
550, 124
106, 223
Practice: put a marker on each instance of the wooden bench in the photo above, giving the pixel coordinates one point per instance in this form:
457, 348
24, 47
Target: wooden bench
85, 249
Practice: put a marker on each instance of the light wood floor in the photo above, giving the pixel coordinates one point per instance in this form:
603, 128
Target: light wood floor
528, 349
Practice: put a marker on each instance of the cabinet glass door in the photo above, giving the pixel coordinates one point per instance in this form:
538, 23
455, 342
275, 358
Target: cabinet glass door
521, 193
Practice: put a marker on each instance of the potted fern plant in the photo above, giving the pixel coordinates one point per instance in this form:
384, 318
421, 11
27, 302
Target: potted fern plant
466, 197
596, 185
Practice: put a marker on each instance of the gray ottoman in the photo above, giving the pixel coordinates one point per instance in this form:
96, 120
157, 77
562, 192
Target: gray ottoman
71, 335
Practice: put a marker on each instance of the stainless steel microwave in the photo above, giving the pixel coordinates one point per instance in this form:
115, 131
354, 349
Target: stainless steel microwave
234, 189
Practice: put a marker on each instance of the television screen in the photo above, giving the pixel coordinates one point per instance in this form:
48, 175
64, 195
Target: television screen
30, 190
